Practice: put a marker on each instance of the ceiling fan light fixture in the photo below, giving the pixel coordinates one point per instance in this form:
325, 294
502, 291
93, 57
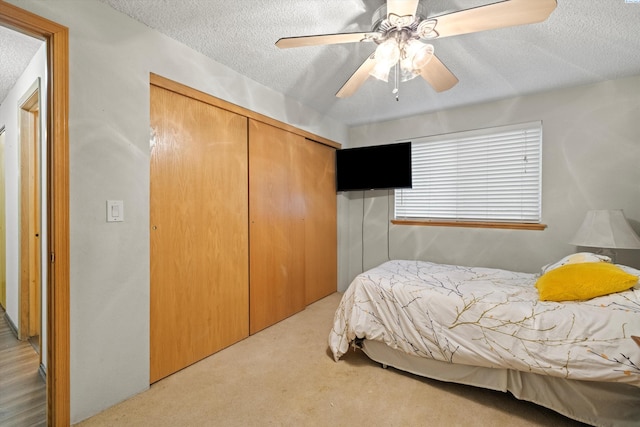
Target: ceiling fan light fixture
407, 74
420, 54
386, 55
380, 72
387, 52
412, 55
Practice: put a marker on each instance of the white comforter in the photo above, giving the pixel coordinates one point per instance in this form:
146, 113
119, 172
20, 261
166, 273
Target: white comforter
492, 318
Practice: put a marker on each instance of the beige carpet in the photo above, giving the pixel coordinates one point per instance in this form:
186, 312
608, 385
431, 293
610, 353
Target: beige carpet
285, 376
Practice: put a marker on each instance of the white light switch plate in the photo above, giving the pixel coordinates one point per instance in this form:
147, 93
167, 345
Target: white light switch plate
115, 211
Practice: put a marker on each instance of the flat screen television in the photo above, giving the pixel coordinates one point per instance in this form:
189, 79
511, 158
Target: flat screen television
374, 167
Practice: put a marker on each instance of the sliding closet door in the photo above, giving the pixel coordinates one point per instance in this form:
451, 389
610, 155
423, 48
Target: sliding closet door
321, 234
199, 232
276, 225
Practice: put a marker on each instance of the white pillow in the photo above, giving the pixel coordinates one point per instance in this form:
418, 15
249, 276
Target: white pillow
576, 258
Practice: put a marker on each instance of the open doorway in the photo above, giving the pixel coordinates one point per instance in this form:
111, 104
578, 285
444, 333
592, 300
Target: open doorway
31, 226
56, 194
22, 112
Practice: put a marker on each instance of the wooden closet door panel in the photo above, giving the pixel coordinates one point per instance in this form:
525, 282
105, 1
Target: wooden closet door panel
276, 213
321, 238
199, 231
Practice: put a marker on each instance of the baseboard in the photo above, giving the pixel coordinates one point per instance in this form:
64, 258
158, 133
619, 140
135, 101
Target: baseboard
43, 372
12, 326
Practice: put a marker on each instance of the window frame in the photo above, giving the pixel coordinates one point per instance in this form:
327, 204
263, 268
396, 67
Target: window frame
454, 218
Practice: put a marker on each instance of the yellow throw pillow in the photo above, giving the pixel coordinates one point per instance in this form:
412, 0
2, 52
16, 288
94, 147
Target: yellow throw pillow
583, 281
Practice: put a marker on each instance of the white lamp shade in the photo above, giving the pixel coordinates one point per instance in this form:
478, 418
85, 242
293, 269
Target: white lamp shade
381, 72
606, 229
387, 53
420, 54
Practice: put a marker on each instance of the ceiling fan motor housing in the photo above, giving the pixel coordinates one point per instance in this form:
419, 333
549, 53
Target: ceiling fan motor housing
402, 28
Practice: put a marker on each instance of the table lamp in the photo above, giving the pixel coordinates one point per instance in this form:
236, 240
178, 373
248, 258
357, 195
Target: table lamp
607, 230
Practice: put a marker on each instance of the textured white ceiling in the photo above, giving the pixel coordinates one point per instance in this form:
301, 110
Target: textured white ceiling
16, 50
583, 41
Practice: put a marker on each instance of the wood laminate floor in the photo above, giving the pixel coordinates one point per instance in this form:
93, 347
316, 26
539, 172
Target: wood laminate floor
22, 389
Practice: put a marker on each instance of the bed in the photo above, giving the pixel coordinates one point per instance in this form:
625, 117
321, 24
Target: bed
490, 328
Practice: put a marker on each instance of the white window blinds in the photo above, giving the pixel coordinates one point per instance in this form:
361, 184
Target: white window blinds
482, 175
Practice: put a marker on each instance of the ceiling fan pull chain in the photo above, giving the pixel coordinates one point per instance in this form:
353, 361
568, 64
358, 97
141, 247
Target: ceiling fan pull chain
396, 78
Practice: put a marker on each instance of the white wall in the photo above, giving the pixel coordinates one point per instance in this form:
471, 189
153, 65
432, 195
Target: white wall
9, 113
111, 57
591, 160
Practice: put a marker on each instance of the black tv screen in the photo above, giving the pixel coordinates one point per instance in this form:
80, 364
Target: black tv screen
375, 167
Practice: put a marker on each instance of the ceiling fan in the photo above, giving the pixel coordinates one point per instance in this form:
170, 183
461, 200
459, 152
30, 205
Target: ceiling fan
401, 29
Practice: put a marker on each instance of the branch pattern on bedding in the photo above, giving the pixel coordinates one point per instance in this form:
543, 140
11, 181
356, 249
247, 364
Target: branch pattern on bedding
492, 318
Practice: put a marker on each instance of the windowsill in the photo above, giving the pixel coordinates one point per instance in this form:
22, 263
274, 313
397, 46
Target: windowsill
473, 224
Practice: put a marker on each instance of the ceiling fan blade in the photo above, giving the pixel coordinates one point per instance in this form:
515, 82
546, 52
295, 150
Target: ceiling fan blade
493, 16
438, 75
357, 78
402, 7
323, 39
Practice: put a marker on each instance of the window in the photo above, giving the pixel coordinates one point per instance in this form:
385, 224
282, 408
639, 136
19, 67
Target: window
487, 175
